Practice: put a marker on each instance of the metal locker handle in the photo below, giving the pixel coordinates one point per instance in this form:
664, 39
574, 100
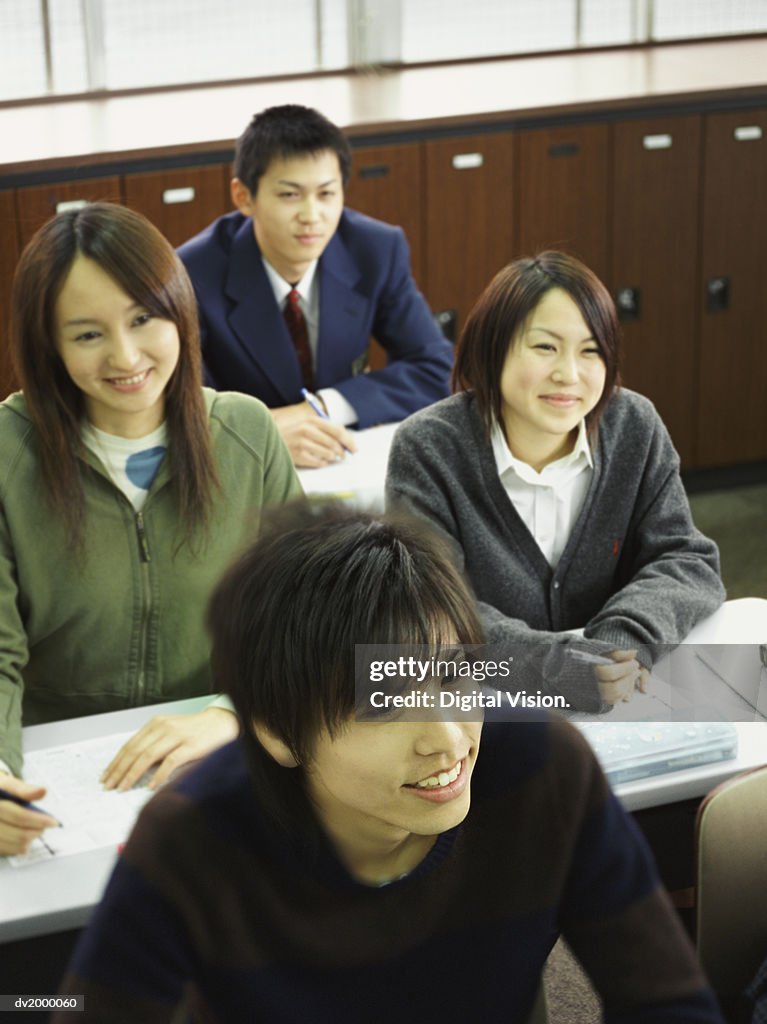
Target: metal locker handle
467, 161
661, 141
564, 149
717, 294
375, 171
70, 204
747, 133
178, 195
629, 303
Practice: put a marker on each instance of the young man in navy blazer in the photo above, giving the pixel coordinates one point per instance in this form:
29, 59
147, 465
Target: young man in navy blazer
353, 278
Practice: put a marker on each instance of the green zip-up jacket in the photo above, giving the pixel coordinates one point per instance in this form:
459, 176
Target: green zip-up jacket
123, 625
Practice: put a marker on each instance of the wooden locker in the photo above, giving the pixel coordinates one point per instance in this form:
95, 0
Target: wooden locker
9, 254
561, 192
387, 183
469, 183
732, 290
36, 204
656, 195
182, 201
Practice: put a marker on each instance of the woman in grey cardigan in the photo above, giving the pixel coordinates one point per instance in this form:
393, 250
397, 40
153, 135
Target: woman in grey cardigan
560, 490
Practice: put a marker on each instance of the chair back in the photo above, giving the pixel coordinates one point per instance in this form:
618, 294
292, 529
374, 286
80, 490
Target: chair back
731, 865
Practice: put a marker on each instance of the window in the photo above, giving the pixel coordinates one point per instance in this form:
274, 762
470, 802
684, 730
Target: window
73, 46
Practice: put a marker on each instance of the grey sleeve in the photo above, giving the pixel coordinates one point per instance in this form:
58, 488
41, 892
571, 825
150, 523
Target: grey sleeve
675, 580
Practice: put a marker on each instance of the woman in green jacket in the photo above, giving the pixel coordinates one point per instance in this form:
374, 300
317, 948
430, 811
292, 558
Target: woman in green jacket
125, 490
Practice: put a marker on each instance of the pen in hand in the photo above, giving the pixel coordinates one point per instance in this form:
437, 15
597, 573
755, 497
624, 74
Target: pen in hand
21, 802
316, 405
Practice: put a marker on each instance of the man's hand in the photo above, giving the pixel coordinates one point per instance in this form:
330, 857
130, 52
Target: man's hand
618, 681
169, 741
18, 825
311, 440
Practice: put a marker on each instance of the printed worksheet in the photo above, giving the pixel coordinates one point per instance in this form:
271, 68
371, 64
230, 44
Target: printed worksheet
91, 817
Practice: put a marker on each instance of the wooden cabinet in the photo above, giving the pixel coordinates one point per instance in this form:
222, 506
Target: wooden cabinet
387, 183
669, 210
180, 202
732, 290
468, 226
656, 195
9, 254
36, 204
561, 192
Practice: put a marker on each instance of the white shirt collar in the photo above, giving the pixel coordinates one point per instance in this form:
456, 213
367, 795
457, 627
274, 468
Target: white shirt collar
282, 288
550, 475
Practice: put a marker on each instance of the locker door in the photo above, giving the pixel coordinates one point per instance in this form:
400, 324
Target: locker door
180, 202
9, 254
732, 295
562, 192
469, 185
38, 203
387, 183
656, 194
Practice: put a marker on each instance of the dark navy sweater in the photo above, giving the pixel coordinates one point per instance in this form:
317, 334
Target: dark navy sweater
211, 905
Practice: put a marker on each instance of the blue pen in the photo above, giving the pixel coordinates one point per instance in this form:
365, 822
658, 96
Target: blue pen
21, 802
314, 403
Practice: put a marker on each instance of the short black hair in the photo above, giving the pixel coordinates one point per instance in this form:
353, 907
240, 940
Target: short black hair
285, 619
503, 309
286, 131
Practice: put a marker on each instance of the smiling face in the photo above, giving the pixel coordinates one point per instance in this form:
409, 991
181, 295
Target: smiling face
117, 354
552, 377
295, 210
385, 790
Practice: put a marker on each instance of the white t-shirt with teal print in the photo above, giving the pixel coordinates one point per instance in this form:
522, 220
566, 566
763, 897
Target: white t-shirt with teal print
132, 462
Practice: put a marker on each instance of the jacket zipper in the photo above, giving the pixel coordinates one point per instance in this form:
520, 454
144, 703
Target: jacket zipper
143, 548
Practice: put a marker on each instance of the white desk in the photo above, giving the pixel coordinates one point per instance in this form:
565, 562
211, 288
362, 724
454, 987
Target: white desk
704, 697
57, 895
697, 692
358, 478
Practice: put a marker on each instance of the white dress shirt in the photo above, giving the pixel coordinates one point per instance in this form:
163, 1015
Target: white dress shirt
548, 502
308, 288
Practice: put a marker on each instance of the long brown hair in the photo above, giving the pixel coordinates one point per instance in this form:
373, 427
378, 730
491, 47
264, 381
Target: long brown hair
502, 310
134, 253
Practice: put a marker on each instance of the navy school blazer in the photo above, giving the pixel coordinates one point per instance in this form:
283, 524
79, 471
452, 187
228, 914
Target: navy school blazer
366, 288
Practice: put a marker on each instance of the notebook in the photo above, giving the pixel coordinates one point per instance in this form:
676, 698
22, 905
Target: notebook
640, 750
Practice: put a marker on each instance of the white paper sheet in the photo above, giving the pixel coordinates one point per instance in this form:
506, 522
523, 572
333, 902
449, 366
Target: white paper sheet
91, 816
358, 478
658, 704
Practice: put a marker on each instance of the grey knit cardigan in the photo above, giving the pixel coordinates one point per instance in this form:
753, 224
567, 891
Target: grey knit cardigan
635, 573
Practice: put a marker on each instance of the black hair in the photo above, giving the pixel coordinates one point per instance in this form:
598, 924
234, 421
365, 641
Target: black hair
286, 617
287, 131
503, 308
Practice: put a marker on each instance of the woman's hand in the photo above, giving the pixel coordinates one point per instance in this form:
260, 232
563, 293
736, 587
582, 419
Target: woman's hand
18, 825
169, 741
618, 681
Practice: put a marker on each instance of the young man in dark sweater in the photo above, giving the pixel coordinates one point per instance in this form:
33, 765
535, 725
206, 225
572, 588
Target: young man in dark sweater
328, 867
